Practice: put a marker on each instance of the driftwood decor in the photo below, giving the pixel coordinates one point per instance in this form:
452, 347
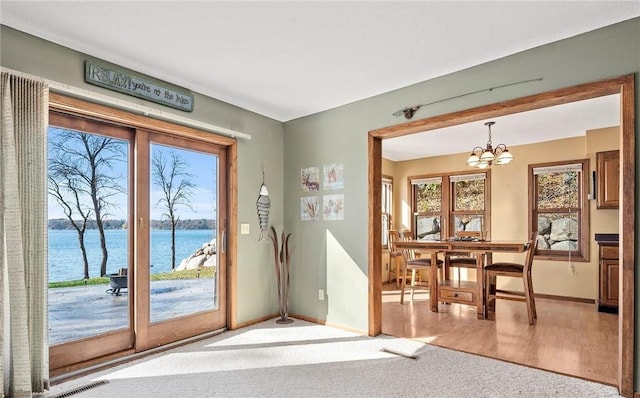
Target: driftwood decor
281, 259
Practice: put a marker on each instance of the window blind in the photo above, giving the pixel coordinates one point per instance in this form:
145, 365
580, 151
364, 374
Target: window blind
468, 177
431, 180
563, 168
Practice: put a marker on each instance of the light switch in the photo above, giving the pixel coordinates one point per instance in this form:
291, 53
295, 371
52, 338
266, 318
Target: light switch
244, 229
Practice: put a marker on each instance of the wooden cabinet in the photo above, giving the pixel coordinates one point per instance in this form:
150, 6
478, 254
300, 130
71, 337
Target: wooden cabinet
609, 282
608, 176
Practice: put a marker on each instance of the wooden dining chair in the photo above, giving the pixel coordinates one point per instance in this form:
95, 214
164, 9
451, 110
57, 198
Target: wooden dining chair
513, 270
395, 258
414, 263
460, 260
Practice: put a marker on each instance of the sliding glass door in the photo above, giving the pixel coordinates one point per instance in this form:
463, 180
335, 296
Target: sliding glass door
136, 239
89, 183
185, 234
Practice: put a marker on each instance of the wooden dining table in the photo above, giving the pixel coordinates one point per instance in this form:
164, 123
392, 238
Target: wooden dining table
462, 292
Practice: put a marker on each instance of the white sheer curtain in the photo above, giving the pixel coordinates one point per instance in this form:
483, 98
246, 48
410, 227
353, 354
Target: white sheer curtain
24, 353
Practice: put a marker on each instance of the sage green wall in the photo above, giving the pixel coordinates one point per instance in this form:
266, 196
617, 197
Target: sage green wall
257, 296
340, 135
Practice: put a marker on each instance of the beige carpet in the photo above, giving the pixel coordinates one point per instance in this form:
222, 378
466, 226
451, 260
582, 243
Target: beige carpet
307, 360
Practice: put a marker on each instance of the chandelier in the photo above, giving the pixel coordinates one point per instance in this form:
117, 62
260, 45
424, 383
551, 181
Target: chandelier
485, 157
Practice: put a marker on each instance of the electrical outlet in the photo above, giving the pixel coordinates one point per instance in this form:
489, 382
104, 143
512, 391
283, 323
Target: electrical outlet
320, 294
244, 229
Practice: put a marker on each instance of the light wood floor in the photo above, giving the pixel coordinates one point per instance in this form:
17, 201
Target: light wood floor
569, 337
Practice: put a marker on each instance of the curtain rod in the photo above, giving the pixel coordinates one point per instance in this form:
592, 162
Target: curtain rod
129, 106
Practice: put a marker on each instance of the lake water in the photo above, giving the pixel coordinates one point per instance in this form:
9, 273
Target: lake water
65, 258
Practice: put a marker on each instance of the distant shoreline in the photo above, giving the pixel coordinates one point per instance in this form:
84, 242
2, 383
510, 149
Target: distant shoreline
63, 224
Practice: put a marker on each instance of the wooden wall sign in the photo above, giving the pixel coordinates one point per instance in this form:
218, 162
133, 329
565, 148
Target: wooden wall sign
114, 78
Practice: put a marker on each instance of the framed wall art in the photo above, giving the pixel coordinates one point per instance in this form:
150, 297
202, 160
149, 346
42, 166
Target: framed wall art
333, 207
309, 208
310, 179
333, 175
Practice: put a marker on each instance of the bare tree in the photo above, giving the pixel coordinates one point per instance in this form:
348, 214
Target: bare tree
170, 175
61, 186
88, 160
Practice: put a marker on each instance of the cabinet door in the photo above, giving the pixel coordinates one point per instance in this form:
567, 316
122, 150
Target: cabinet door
609, 279
608, 174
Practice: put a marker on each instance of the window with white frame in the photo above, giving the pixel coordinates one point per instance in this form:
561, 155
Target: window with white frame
427, 207
468, 202
559, 209
446, 203
387, 208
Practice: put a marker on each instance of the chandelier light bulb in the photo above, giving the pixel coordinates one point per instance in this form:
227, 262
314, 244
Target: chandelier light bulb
505, 157
485, 157
473, 160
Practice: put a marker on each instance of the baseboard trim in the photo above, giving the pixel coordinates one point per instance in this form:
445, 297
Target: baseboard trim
330, 324
254, 321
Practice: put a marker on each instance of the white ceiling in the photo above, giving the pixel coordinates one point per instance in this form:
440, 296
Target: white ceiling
286, 60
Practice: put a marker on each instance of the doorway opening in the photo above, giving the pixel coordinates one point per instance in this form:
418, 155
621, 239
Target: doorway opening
621, 85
